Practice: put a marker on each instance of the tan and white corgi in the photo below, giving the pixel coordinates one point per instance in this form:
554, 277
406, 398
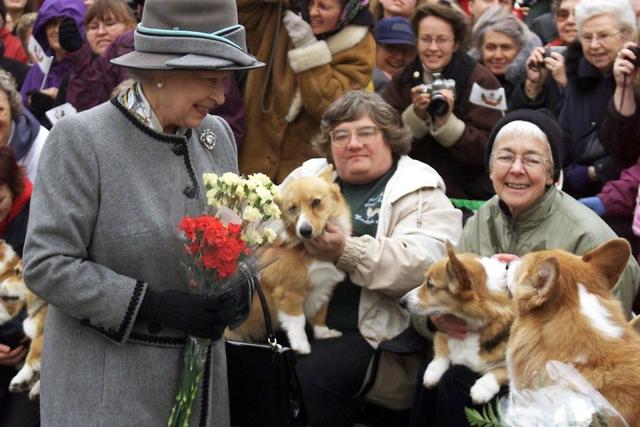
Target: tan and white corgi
565, 311
14, 295
472, 288
297, 286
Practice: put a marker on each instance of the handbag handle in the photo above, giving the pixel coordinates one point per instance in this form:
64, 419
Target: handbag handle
271, 336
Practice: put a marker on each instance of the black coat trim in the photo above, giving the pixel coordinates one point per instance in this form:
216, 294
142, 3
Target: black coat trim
128, 317
180, 147
204, 391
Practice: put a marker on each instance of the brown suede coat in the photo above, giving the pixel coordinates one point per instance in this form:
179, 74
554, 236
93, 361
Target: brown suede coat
278, 141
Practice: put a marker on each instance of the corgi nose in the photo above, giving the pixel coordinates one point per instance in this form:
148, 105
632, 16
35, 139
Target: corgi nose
306, 231
403, 302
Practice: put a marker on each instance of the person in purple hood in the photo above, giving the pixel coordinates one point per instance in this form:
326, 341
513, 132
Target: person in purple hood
39, 91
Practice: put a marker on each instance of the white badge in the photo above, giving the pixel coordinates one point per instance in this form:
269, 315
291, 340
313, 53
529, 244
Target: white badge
60, 112
495, 99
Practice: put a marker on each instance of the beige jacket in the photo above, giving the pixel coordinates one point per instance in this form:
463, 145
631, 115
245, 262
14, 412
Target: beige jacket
415, 220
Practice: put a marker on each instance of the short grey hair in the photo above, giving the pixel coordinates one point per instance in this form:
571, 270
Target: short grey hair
621, 10
523, 129
353, 105
8, 86
501, 21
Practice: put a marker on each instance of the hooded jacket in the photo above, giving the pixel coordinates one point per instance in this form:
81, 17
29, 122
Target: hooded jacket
49, 10
283, 116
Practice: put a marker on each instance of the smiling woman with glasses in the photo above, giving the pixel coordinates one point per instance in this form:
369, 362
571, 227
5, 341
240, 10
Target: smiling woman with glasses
450, 132
528, 213
401, 219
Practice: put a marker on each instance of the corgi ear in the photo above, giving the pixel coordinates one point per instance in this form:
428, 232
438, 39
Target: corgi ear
458, 275
544, 281
327, 174
610, 259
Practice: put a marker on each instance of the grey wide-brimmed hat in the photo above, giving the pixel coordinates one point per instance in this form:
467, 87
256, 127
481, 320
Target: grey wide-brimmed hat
189, 34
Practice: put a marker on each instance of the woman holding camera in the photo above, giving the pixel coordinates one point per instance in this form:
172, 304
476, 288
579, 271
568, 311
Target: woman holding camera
450, 132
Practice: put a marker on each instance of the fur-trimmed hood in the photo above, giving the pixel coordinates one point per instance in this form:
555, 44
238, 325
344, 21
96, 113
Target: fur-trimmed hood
518, 67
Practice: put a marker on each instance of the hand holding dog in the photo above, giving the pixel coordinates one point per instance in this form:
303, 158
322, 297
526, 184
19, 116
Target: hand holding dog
451, 325
11, 357
329, 245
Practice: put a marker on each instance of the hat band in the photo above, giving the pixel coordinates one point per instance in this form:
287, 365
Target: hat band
176, 42
217, 36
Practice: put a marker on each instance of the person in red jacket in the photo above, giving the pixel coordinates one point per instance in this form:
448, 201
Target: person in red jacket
12, 45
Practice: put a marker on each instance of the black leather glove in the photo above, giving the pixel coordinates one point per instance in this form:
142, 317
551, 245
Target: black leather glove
69, 35
197, 316
40, 103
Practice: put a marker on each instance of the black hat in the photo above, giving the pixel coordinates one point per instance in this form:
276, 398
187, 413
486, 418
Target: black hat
547, 123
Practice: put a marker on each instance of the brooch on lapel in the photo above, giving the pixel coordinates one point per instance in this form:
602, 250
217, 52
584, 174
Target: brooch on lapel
208, 139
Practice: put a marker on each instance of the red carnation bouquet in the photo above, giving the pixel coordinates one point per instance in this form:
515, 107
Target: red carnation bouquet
221, 245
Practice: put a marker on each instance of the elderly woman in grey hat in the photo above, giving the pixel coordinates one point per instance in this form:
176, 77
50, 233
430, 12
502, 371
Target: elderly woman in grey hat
103, 247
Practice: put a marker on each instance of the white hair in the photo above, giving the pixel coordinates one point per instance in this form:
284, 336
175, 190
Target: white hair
621, 10
523, 129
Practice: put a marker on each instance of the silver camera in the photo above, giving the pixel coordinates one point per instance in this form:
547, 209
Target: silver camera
438, 106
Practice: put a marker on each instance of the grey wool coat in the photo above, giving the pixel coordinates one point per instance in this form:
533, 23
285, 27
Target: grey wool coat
103, 228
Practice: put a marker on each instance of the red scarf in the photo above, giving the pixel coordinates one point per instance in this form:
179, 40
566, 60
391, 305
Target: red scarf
17, 205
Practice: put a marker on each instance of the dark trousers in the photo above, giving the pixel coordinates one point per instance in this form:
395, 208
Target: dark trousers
331, 376
16, 410
443, 405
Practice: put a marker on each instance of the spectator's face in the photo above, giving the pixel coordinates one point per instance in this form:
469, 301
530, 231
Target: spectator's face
478, 7
391, 58
498, 51
517, 185
184, 98
359, 151
436, 43
6, 200
601, 40
101, 33
15, 5
5, 118
324, 15
566, 21
398, 8
51, 30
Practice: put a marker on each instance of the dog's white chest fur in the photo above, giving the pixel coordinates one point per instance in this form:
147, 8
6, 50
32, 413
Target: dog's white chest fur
324, 276
467, 352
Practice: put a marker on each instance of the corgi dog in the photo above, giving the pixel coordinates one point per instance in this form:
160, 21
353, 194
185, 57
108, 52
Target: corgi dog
14, 296
474, 289
298, 287
565, 311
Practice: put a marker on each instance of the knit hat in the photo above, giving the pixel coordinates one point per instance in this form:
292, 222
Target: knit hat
394, 30
189, 34
547, 123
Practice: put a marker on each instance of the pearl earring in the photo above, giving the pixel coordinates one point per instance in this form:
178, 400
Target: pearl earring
159, 85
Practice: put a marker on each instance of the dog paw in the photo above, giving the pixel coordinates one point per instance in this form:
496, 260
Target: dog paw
301, 347
322, 332
35, 391
485, 388
22, 381
434, 371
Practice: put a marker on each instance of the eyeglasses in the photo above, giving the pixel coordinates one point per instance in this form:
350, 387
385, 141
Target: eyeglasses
365, 135
440, 40
108, 25
530, 160
564, 14
602, 37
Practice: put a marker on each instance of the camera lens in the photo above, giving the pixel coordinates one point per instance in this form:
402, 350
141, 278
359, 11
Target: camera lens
438, 106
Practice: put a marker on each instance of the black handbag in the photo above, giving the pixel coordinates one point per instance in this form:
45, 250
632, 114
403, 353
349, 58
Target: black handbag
263, 386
